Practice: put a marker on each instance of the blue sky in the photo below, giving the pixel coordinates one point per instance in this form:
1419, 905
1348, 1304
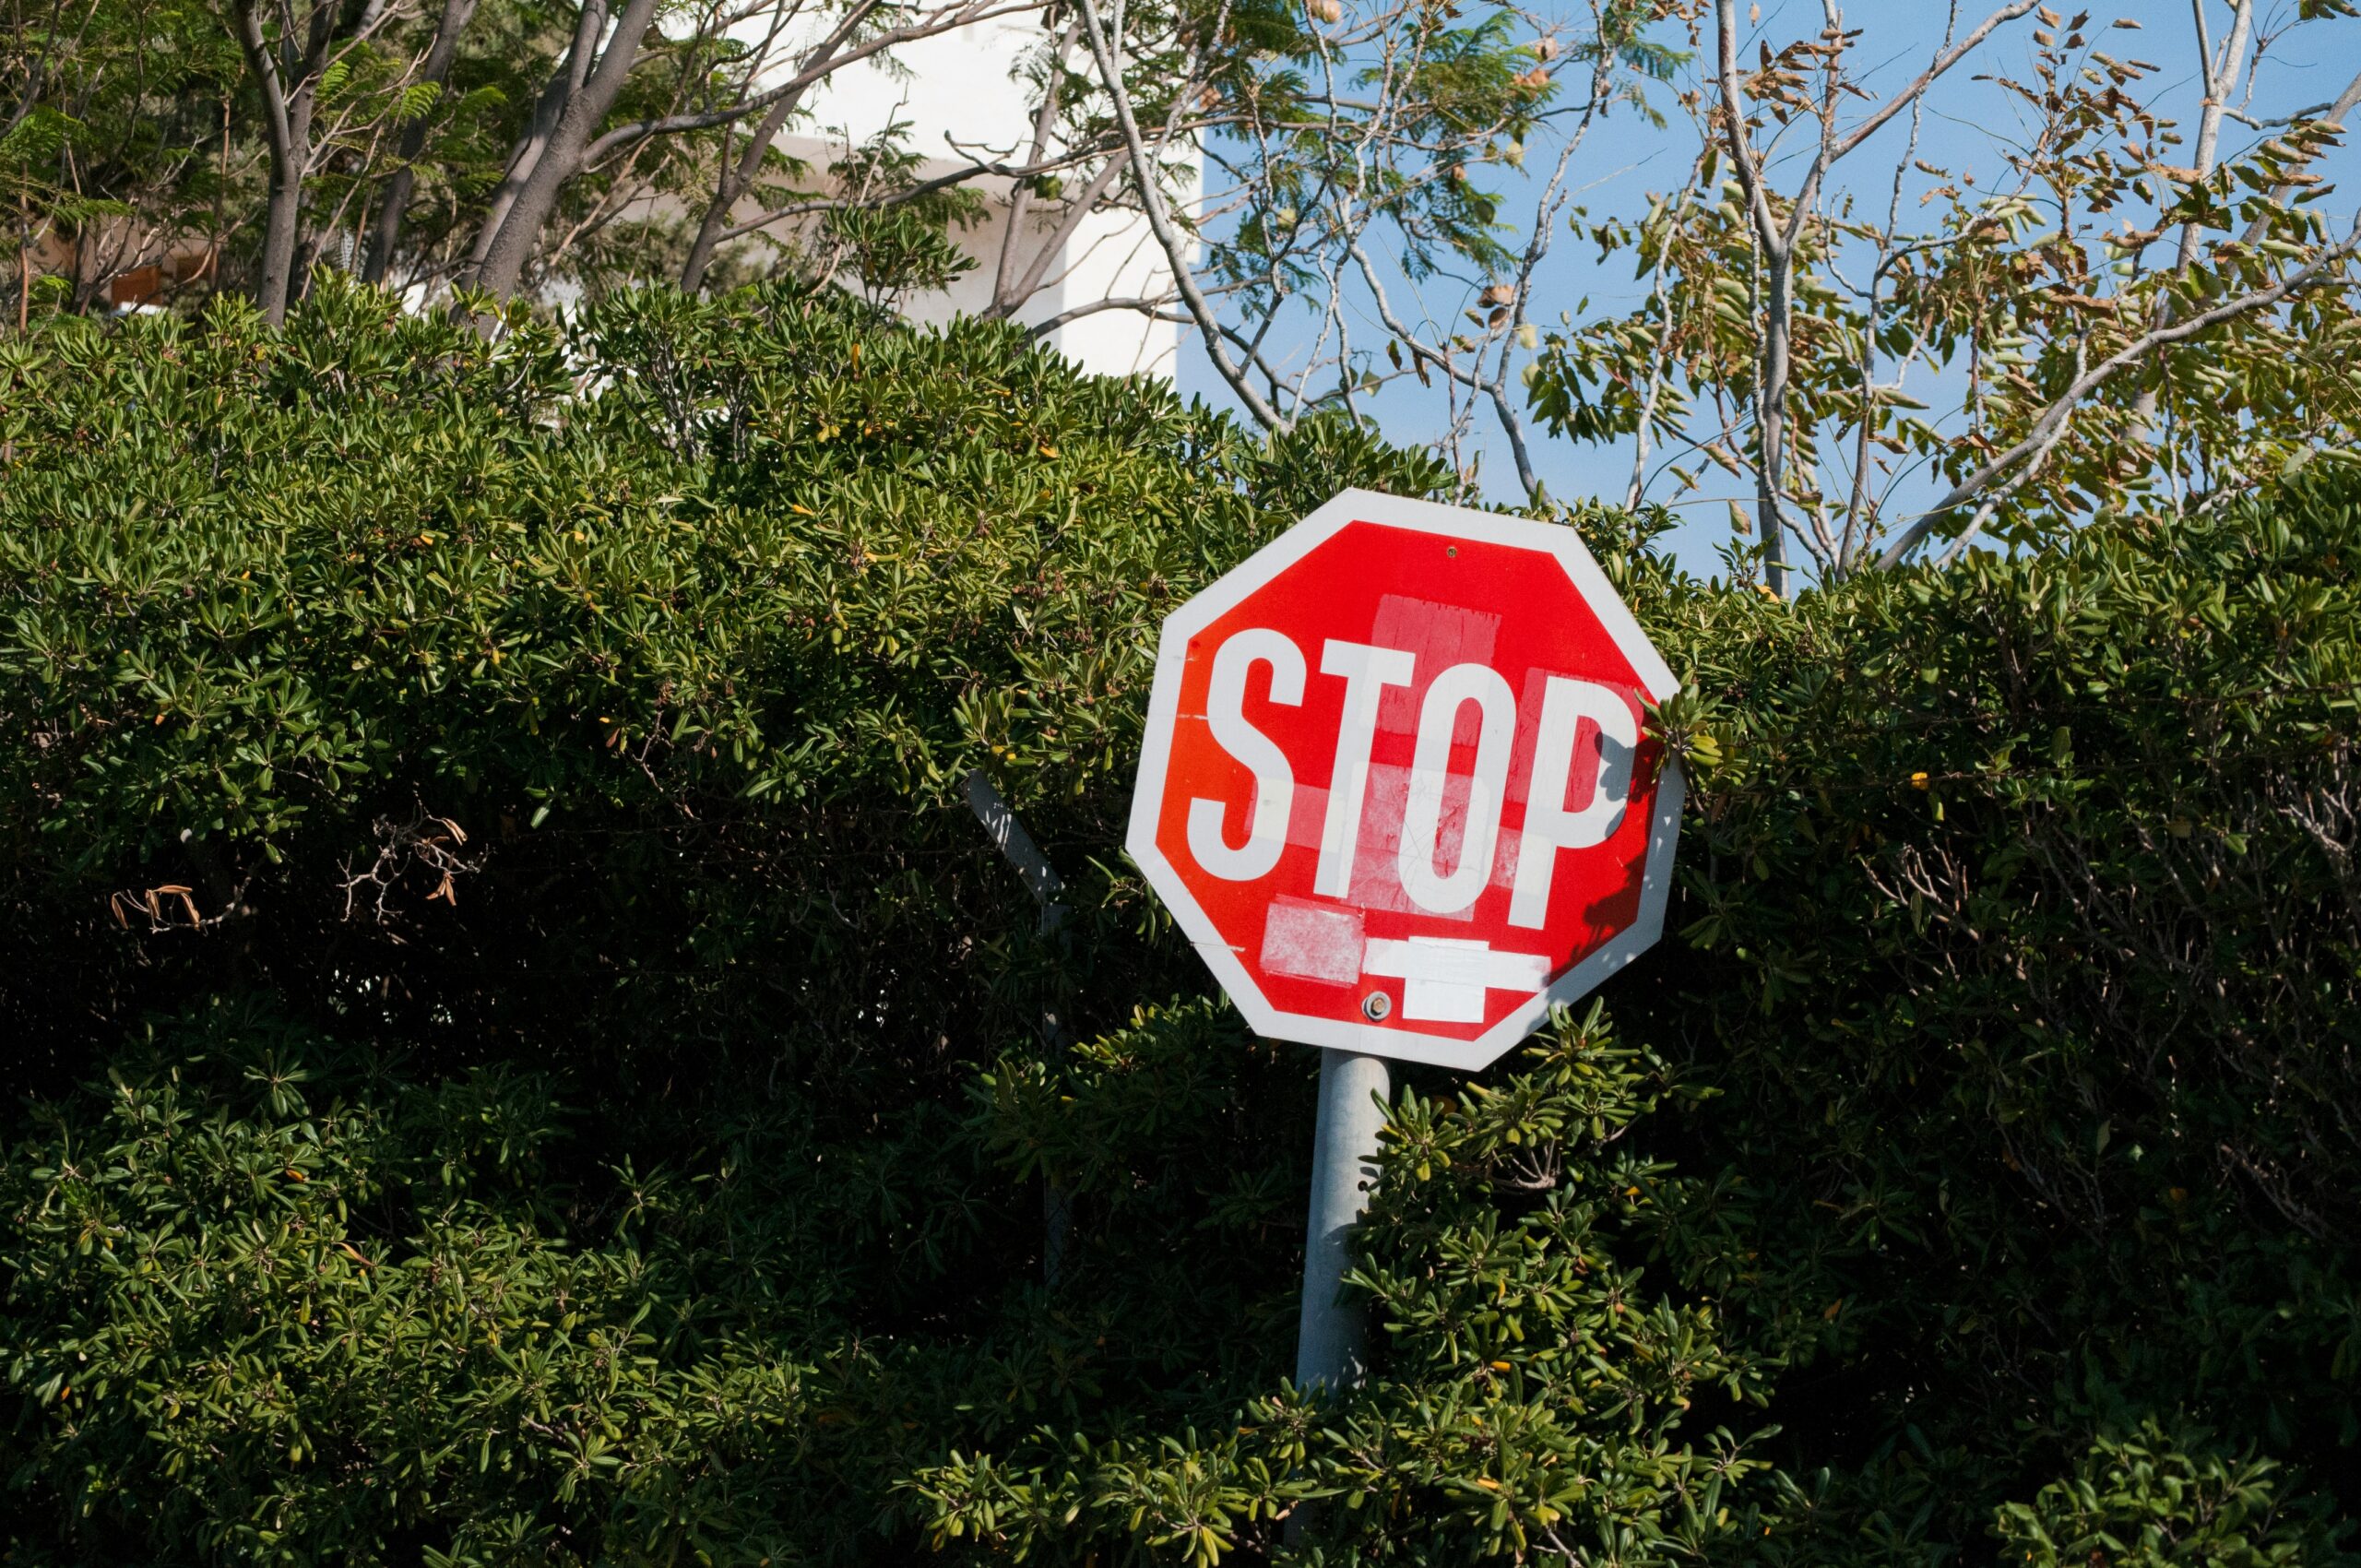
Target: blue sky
1967, 126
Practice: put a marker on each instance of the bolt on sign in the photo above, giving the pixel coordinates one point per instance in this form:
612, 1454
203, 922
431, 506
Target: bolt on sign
1396, 784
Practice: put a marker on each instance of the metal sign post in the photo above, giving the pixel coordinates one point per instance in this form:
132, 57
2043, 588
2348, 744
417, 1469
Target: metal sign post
1397, 786
1330, 1344
1008, 836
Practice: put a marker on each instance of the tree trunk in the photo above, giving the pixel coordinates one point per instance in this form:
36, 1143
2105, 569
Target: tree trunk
2218, 86
511, 245
287, 130
734, 181
279, 247
282, 223
393, 200
563, 83
286, 165
1770, 416
1020, 198
1009, 294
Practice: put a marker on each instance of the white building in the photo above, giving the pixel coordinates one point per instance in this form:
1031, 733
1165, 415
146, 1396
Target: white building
961, 97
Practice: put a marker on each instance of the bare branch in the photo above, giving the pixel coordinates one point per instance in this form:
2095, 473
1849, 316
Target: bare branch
827, 63
1940, 66
1144, 179
2016, 481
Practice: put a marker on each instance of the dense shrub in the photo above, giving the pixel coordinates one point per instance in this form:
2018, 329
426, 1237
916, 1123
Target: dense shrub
490, 814
2022, 907
689, 624
527, 1058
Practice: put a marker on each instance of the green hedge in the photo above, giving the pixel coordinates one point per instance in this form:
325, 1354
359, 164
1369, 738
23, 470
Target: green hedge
527, 1058
2026, 918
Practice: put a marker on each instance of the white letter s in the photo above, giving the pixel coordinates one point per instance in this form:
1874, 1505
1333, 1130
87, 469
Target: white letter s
1266, 837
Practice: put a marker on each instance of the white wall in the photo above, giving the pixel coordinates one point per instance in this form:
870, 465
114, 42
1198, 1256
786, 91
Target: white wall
960, 96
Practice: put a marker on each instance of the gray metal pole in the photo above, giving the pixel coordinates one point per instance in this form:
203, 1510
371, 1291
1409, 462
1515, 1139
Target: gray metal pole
1008, 836
1353, 1091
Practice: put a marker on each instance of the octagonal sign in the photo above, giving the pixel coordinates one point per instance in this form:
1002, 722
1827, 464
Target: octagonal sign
1396, 784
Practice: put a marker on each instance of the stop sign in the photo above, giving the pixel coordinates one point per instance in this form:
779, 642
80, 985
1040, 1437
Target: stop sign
1396, 786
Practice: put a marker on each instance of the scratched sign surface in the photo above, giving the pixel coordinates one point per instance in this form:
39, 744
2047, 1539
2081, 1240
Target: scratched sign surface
1396, 783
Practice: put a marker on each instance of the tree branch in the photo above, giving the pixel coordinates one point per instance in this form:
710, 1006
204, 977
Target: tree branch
1934, 72
2038, 437
1176, 254
668, 125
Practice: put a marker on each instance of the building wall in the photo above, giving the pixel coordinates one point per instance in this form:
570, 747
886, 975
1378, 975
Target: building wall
962, 99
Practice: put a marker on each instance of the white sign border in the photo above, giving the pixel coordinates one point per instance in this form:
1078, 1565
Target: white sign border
1398, 1043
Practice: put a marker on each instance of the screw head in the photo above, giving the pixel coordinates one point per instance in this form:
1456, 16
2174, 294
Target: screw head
1376, 1005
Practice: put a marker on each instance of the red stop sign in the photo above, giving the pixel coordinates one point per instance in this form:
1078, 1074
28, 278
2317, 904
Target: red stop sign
1396, 786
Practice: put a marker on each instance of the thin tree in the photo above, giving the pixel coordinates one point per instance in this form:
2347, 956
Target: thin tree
290, 48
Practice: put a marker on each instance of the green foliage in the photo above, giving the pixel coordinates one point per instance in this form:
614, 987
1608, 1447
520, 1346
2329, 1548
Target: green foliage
2024, 946
112, 109
526, 1056
789, 567
1398, 119
583, 718
2146, 1503
288, 1301
1532, 1390
1993, 299
904, 245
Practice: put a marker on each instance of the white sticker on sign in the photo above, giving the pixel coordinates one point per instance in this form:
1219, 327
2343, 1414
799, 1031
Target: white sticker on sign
1315, 942
1445, 977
